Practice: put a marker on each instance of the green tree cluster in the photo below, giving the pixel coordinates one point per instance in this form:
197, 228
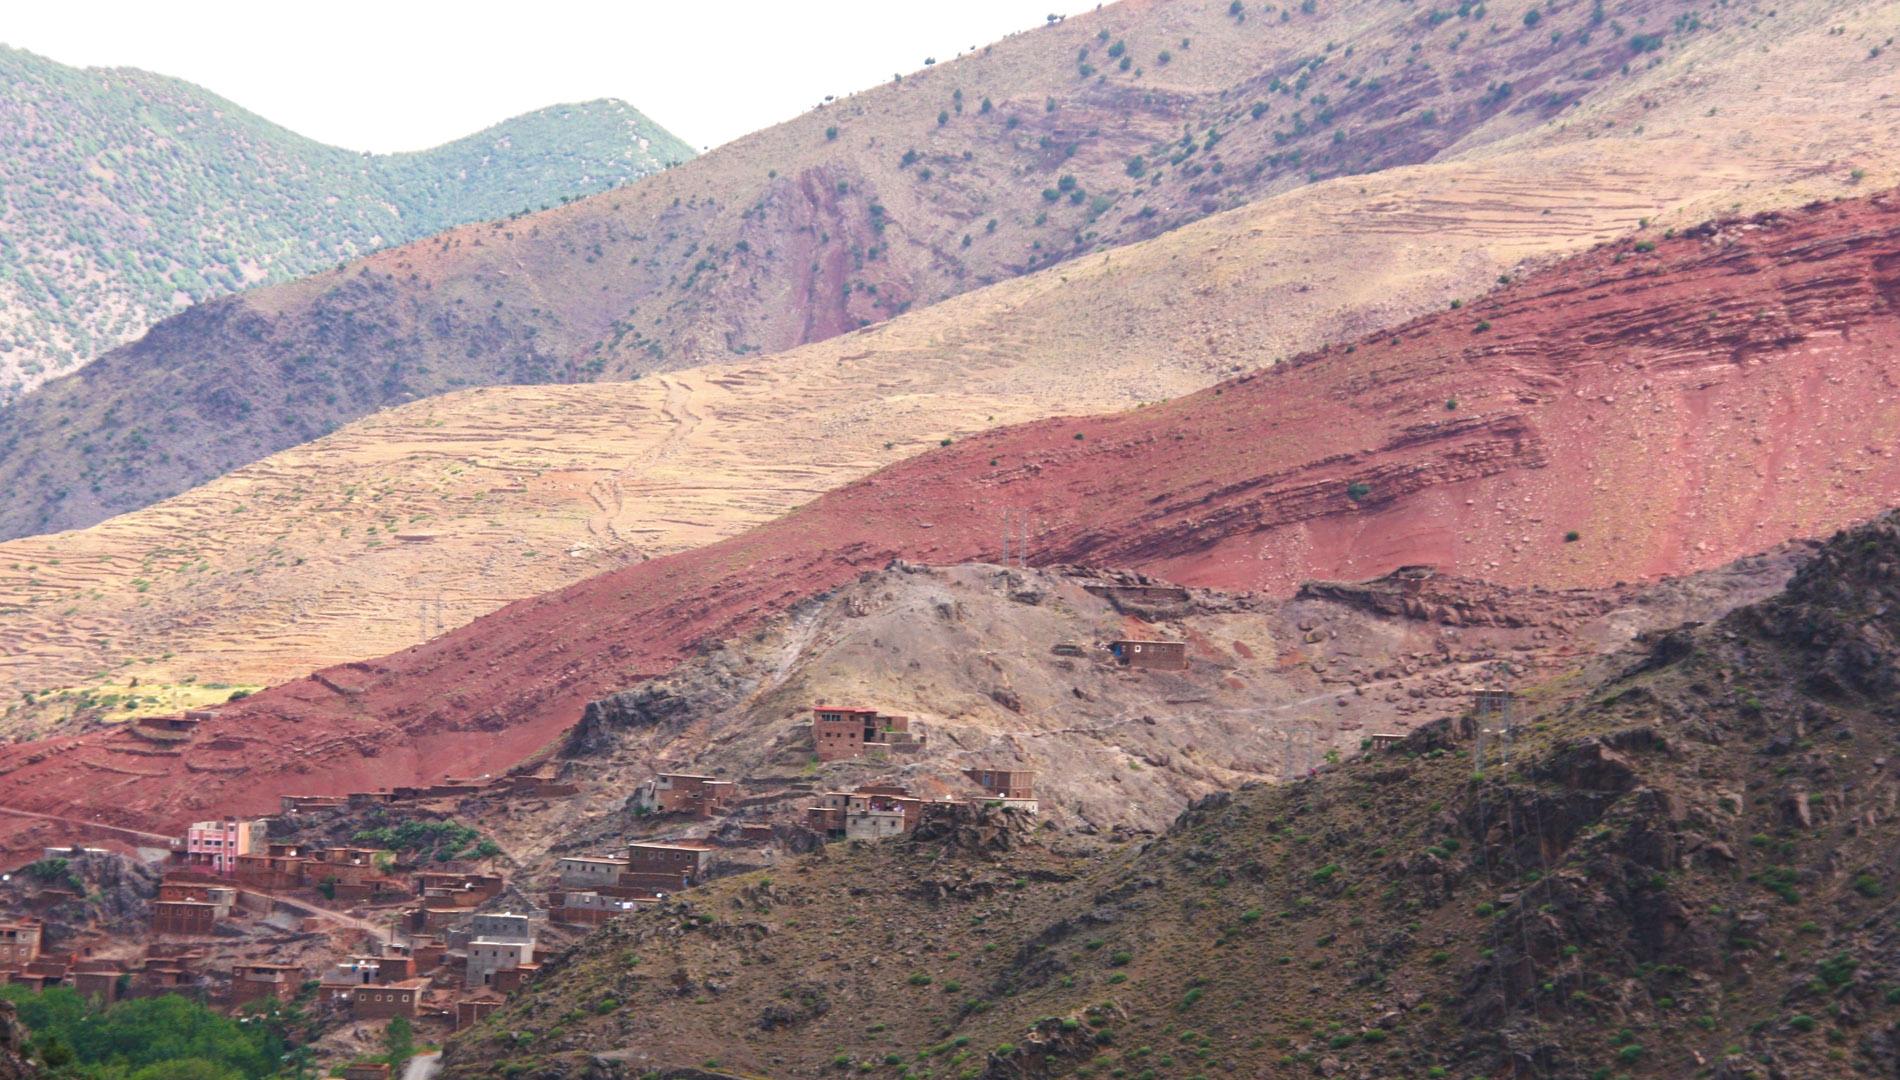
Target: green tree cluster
163, 1038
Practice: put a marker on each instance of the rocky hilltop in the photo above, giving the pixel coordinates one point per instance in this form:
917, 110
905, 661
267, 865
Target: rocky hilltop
1005, 666
1678, 865
131, 195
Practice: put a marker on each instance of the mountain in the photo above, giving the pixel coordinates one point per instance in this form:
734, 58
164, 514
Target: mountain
130, 195
1020, 156
581, 479
1513, 438
1005, 664
1678, 866
542, 486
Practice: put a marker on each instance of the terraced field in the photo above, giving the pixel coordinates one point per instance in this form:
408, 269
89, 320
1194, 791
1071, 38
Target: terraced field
427, 516
363, 542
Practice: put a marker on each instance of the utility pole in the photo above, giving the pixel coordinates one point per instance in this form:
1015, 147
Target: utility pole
1495, 713
1017, 526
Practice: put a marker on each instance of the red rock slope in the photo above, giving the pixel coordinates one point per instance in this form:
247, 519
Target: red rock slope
1675, 402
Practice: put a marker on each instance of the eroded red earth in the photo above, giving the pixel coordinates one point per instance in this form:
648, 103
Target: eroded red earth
1674, 402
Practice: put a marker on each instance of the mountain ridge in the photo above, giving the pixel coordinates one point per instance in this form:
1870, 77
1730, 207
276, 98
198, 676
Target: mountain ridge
156, 193
846, 215
1447, 447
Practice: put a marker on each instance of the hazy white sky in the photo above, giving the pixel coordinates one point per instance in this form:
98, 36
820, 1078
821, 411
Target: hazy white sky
401, 75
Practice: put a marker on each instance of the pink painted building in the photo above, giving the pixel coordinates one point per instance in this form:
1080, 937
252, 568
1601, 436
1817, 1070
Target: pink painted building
216, 845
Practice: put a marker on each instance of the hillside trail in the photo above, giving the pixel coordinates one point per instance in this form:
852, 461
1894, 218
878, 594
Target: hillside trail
378, 932
608, 494
120, 830
1105, 730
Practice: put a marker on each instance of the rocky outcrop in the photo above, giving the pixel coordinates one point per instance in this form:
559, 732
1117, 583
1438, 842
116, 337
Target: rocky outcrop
15, 1062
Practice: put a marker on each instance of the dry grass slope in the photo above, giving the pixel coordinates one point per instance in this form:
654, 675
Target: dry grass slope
541, 486
790, 236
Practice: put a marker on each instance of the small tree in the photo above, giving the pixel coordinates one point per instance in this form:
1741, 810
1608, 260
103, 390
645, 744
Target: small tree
399, 1042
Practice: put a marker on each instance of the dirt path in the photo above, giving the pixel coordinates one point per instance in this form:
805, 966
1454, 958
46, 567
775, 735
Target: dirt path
115, 829
377, 931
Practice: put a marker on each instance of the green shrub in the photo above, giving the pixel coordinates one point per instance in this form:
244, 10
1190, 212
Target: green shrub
1837, 971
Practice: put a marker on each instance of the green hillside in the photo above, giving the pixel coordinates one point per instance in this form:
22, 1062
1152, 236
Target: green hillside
128, 195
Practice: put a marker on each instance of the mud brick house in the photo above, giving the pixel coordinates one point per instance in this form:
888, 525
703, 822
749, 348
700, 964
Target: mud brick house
457, 889
497, 940
214, 846
429, 919
280, 866
1004, 783
381, 1002
54, 968
870, 812
875, 811
502, 926
487, 957
352, 874
221, 897
255, 980
188, 918
668, 864
104, 981
510, 979
839, 734
1385, 741
297, 804
586, 907
540, 784
471, 1010
355, 971
395, 968
164, 975
427, 952
584, 871
20, 941
1151, 655
346, 865
687, 793
826, 816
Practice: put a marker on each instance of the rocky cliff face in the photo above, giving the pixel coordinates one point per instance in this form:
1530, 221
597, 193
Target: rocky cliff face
1678, 865
15, 1064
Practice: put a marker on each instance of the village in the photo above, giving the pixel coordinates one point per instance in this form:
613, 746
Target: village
306, 906
366, 906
